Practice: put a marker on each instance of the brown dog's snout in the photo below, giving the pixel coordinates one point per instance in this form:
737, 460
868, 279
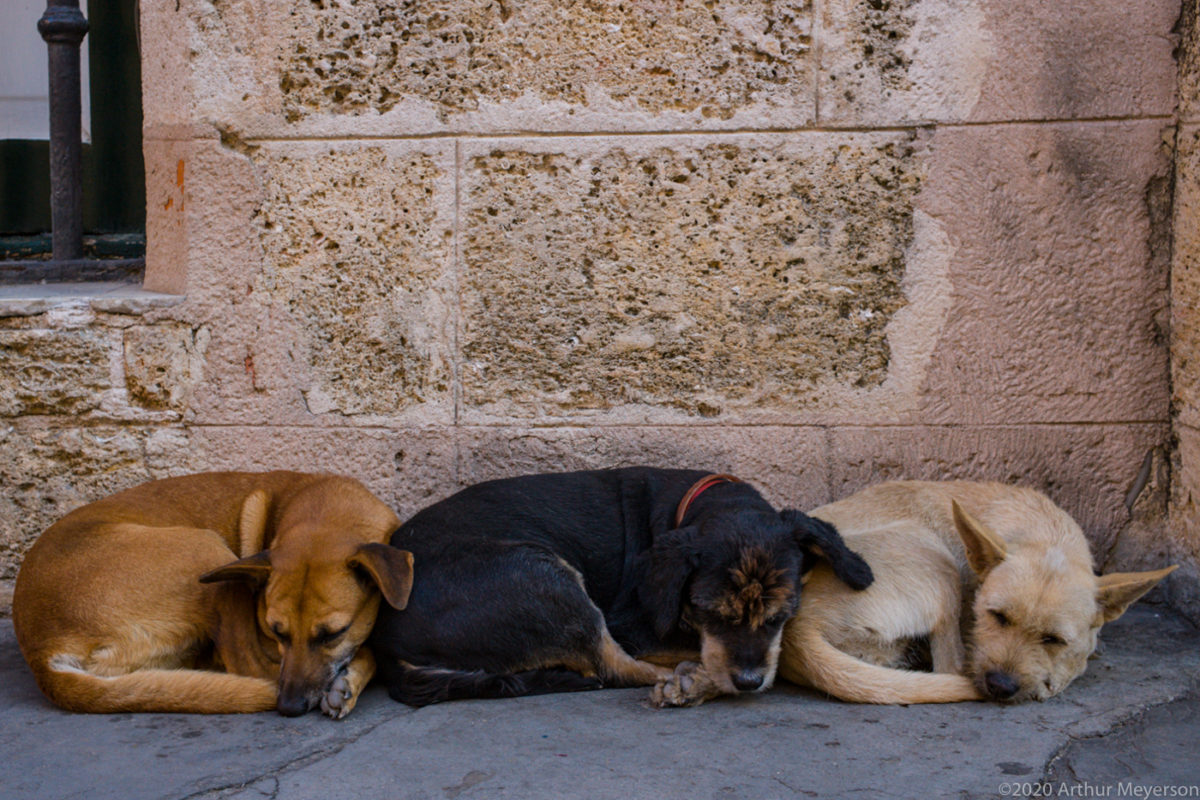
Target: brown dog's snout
299, 688
292, 704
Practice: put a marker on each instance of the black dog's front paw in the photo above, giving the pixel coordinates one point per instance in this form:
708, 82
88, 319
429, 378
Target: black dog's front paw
684, 688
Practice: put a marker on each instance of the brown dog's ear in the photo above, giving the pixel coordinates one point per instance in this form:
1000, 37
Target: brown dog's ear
1117, 591
985, 548
390, 568
252, 569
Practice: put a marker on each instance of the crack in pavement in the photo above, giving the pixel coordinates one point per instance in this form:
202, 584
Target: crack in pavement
312, 757
1120, 725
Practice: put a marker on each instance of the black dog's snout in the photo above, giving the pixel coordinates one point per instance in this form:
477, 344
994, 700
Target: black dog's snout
1000, 685
747, 680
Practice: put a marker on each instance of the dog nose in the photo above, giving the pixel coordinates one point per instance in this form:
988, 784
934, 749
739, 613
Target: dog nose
747, 680
292, 705
1000, 685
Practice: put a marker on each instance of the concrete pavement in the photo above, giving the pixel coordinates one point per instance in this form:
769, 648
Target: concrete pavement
1133, 720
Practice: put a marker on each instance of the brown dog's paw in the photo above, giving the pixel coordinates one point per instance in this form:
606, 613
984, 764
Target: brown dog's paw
338, 700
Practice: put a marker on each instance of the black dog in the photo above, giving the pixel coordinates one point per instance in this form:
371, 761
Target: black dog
564, 581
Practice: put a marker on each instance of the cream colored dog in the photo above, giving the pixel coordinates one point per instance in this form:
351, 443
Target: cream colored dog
1005, 561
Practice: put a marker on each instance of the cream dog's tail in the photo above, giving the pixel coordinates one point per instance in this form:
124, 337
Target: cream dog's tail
65, 681
810, 660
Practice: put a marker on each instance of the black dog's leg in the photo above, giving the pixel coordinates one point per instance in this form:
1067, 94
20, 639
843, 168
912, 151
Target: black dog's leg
421, 686
499, 621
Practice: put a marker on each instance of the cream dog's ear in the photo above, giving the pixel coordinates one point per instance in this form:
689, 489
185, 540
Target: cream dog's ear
1117, 591
985, 548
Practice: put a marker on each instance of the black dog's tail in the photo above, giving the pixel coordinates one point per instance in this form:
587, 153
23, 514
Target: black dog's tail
420, 686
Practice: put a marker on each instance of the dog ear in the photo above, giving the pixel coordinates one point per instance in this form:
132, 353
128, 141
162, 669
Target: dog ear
985, 549
390, 568
1117, 591
253, 569
818, 538
252, 522
666, 568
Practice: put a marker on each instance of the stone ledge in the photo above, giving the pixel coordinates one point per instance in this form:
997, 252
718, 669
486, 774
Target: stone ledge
113, 298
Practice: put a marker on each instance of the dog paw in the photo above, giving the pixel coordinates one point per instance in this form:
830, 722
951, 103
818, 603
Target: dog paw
338, 699
679, 690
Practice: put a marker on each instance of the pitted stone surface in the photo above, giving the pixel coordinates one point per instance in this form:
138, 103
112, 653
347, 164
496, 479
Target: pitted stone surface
1185, 279
888, 61
355, 250
53, 371
698, 278
789, 465
1189, 61
1059, 306
458, 55
163, 363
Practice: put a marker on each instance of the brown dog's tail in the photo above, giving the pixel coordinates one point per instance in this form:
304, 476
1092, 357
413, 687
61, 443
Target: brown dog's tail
810, 660
63, 679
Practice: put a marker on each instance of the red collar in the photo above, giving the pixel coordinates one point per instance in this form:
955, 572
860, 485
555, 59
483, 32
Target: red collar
699, 486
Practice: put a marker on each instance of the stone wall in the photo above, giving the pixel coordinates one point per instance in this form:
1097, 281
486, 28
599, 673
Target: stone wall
816, 243
1184, 541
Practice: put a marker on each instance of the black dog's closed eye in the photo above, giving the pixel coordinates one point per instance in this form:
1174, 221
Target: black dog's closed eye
819, 539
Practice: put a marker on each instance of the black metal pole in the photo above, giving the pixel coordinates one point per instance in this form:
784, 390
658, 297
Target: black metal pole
63, 26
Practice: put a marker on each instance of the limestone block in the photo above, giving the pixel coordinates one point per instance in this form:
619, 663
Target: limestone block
377, 67
1185, 493
1058, 310
324, 274
644, 279
1143, 542
890, 61
163, 364
787, 464
167, 246
405, 467
1184, 530
49, 471
1089, 470
169, 45
359, 254
53, 371
1185, 280
1189, 61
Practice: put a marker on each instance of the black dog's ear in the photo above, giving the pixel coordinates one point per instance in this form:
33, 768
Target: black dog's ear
666, 568
818, 538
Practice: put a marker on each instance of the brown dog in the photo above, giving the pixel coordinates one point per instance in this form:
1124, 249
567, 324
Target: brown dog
1006, 560
136, 602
